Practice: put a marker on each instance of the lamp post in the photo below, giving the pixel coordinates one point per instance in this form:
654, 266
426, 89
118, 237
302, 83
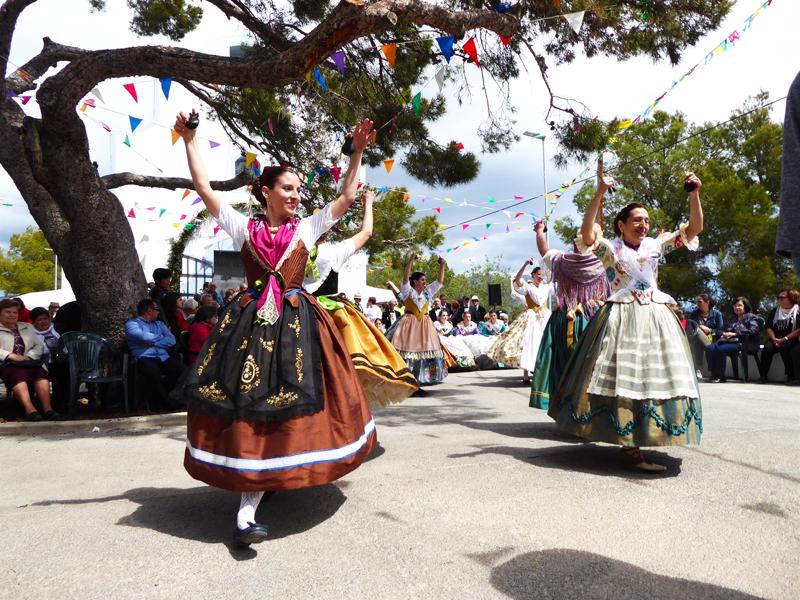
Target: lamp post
541, 136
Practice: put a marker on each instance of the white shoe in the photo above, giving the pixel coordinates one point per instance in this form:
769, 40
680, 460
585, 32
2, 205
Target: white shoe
699, 374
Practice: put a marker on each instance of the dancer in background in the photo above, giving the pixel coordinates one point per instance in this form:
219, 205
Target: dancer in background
630, 380
581, 286
414, 335
382, 371
274, 402
507, 350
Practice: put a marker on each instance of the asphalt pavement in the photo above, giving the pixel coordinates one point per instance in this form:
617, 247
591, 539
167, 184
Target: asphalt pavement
471, 495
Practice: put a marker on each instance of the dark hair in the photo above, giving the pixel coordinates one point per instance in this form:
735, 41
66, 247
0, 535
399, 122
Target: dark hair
8, 303
536, 269
747, 306
204, 313
624, 214
144, 305
707, 299
38, 312
170, 305
794, 295
268, 178
162, 273
415, 276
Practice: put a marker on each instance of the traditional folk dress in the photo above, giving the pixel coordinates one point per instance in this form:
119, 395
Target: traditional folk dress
382, 371
473, 339
580, 285
416, 338
630, 380
274, 402
462, 356
520, 345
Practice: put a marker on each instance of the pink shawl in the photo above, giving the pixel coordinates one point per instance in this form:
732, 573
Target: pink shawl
269, 249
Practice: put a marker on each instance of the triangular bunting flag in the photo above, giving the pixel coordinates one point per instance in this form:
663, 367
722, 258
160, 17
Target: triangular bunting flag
320, 80
176, 225
145, 238
134, 123
96, 93
131, 214
25, 99
131, 90
406, 197
416, 102
440, 79
508, 229
310, 178
213, 144
216, 229
336, 172
166, 82
185, 193
575, 20
446, 46
438, 210
488, 225
175, 136
89, 102
492, 200
182, 217
383, 190
127, 141
197, 200
106, 127
249, 158
388, 164
472, 50
464, 226
505, 40
390, 52
519, 214
161, 212
338, 60
517, 197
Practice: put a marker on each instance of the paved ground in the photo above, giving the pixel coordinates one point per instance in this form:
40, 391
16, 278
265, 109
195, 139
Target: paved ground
471, 495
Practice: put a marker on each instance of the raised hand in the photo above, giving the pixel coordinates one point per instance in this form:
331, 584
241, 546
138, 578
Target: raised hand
368, 197
604, 182
181, 129
692, 182
362, 134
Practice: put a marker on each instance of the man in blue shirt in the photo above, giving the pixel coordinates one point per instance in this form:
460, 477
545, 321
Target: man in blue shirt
149, 341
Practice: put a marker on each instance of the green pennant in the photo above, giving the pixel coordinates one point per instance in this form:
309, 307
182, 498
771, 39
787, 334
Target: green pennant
488, 225
161, 212
127, 142
310, 178
416, 102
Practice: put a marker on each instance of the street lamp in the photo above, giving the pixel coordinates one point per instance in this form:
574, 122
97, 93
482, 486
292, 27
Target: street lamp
541, 136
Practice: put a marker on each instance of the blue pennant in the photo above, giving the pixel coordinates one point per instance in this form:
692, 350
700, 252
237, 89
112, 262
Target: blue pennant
446, 46
320, 79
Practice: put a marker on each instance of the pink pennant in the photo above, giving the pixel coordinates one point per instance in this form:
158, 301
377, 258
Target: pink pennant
464, 226
131, 214
25, 99
459, 146
519, 197
90, 102
336, 172
360, 185
438, 210
106, 127
519, 214
216, 229
485, 236
131, 90
183, 217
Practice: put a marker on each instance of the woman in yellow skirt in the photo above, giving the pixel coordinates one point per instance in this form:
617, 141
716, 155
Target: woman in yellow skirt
382, 372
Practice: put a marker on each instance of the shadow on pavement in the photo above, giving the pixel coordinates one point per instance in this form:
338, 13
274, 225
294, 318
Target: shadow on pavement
586, 458
415, 414
525, 430
575, 574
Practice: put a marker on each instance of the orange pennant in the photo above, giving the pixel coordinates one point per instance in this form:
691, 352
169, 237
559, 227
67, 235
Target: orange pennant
388, 164
185, 193
406, 197
175, 136
390, 52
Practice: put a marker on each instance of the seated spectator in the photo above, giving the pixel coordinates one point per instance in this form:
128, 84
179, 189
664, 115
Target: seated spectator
212, 289
150, 341
442, 324
57, 369
783, 331
208, 300
433, 313
204, 321
709, 328
188, 309
379, 325
229, 295
162, 279
21, 367
503, 316
24, 313
171, 304
242, 287
391, 314
53, 309
739, 332
372, 311
466, 326
492, 325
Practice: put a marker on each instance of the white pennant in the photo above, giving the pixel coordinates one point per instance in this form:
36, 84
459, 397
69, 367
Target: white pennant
575, 20
96, 93
440, 78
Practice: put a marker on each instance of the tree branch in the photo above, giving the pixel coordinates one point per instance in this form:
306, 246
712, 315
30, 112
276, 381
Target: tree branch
248, 19
23, 78
9, 13
116, 180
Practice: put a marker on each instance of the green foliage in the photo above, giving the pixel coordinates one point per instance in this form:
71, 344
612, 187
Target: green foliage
28, 264
739, 164
172, 18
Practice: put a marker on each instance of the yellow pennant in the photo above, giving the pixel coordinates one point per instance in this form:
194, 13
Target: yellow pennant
175, 136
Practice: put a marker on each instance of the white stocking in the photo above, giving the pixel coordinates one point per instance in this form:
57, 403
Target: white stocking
247, 509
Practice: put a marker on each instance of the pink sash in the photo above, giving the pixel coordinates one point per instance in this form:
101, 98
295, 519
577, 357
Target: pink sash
269, 249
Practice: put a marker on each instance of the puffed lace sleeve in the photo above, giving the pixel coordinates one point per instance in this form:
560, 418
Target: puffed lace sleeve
312, 228
234, 224
601, 247
547, 263
677, 239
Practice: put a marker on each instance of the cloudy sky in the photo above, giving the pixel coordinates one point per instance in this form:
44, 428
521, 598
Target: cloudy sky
767, 57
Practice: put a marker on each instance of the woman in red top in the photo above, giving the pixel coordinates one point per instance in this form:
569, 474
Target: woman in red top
199, 330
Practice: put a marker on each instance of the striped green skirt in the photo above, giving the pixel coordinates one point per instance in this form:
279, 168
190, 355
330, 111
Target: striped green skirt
630, 380
560, 337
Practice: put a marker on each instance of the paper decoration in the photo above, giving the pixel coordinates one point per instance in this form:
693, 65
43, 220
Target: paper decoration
131, 214
320, 80
134, 123
89, 102
310, 178
406, 197
213, 144
438, 210
416, 102
464, 226
488, 225
575, 20
197, 200
175, 136
127, 141
182, 217
446, 46
390, 52
131, 88
166, 83
216, 229
388, 164
185, 193
249, 159
449, 200
336, 171
519, 214
472, 50
516, 197
106, 127
338, 60
161, 212
505, 40
270, 126
440, 79
26, 99
96, 93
